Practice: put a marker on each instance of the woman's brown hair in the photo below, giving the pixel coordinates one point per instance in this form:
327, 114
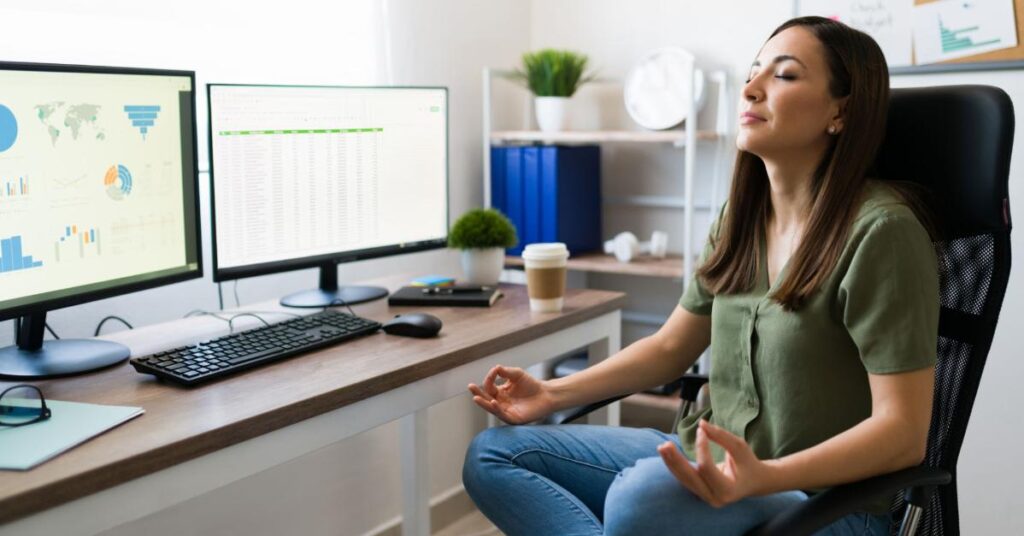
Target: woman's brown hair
857, 71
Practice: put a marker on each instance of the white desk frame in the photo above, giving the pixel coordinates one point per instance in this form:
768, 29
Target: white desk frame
157, 491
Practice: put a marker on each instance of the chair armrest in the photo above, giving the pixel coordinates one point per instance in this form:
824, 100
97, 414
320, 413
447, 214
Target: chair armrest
691, 386
581, 411
830, 505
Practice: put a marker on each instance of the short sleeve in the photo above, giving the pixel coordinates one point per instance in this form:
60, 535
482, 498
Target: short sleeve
889, 296
697, 298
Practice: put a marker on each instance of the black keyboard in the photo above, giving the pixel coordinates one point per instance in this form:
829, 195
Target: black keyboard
205, 361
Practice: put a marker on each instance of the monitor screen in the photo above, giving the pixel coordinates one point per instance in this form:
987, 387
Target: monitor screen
97, 183
303, 176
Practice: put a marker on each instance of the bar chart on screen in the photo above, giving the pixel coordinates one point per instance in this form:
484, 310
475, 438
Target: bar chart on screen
12, 258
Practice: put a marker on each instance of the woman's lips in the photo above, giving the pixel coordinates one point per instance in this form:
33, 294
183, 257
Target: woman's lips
749, 118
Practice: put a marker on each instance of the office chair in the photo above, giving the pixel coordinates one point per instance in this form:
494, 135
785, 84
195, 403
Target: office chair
955, 142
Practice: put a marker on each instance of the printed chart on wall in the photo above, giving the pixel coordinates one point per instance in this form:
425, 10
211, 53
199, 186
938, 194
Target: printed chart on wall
936, 34
89, 179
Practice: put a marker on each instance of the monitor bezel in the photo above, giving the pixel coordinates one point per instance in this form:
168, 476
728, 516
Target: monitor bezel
300, 263
127, 288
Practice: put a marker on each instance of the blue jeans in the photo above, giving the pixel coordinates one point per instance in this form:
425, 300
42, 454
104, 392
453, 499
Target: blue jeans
601, 480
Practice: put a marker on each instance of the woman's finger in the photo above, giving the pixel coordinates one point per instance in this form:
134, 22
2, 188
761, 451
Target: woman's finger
489, 386
707, 468
486, 405
732, 443
511, 373
477, 391
680, 467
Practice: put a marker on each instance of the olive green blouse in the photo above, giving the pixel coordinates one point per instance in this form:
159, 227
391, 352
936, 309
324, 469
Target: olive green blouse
786, 381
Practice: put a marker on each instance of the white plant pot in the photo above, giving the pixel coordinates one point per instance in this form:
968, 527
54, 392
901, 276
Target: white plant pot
552, 113
483, 266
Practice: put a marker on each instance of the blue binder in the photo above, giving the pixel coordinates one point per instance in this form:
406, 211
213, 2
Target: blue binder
551, 193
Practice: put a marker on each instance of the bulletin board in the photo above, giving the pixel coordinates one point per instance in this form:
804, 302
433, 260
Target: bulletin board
897, 26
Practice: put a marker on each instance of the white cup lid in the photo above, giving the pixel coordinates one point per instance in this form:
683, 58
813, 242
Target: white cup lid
546, 251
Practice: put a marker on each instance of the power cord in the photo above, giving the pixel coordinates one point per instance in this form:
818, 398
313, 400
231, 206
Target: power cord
339, 301
111, 317
17, 329
231, 319
235, 290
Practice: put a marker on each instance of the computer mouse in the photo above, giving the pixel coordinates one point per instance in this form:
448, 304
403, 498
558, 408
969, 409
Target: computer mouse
421, 325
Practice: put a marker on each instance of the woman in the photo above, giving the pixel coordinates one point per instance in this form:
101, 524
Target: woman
818, 293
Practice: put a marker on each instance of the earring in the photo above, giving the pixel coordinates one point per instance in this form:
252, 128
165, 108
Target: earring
831, 129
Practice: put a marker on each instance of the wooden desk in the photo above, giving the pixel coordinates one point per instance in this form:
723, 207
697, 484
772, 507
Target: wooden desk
191, 441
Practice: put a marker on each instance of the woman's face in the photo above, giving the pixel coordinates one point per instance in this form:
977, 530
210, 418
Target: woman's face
786, 107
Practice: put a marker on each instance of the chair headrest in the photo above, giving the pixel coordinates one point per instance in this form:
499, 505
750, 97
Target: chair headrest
955, 141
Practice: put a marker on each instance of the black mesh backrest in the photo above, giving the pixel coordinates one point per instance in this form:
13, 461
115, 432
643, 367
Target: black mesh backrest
955, 141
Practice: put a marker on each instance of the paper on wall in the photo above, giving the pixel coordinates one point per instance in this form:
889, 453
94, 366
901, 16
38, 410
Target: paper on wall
887, 21
951, 29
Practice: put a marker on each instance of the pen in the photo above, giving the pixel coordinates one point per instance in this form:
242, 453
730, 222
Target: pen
454, 290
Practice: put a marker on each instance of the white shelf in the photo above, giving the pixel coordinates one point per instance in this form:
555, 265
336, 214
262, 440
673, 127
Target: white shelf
675, 137
670, 267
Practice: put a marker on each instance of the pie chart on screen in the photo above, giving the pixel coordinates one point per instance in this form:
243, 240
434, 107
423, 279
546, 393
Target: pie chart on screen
118, 181
8, 128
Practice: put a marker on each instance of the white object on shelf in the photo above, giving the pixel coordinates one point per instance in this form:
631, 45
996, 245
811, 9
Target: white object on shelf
552, 113
626, 247
661, 88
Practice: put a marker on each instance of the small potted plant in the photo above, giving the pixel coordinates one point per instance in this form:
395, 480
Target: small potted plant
482, 235
553, 76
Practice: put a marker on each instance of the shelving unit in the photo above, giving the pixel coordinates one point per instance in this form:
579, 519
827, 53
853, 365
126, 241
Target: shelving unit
675, 267
686, 139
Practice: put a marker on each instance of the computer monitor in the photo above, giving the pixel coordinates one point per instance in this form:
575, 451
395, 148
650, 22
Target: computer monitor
312, 176
97, 198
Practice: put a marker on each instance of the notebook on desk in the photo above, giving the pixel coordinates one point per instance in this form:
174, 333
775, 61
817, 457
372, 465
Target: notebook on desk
444, 296
71, 424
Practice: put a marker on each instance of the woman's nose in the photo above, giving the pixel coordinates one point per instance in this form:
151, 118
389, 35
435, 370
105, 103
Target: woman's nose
752, 92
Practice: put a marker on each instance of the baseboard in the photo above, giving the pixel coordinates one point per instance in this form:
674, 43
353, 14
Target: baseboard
445, 509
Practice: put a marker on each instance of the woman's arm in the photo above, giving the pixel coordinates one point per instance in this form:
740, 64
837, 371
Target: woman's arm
651, 361
892, 438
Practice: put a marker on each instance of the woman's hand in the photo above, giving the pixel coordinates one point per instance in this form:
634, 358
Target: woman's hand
740, 475
520, 399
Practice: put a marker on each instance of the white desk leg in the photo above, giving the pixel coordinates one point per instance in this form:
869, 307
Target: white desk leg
415, 475
596, 352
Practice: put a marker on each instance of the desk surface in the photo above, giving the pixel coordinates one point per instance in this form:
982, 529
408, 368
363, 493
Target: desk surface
181, 424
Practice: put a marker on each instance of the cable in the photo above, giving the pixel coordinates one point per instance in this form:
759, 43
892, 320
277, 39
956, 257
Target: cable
220, 297
54, 333
111, 317
339, 301
200, 312
231, 321
235, 290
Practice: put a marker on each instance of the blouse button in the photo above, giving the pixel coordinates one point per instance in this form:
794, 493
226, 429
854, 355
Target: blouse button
751, 402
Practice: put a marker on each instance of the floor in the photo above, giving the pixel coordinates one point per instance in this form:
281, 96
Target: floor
474, 524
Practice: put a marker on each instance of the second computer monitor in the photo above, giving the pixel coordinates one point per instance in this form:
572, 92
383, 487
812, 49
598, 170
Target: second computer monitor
305, 176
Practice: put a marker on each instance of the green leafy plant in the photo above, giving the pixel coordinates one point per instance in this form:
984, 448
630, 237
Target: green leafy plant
553, 73
481, 229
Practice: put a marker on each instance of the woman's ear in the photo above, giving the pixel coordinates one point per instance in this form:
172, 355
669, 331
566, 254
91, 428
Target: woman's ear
836, 123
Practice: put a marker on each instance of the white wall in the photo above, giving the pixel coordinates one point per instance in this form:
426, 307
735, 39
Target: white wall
728, 34
352, 487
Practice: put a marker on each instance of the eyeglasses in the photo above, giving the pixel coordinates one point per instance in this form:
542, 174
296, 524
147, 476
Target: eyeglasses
21, 405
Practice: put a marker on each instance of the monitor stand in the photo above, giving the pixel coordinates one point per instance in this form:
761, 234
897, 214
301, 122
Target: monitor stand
329, 294
35, 359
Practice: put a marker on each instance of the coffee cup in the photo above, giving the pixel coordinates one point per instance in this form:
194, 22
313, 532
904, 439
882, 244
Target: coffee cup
545, 275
